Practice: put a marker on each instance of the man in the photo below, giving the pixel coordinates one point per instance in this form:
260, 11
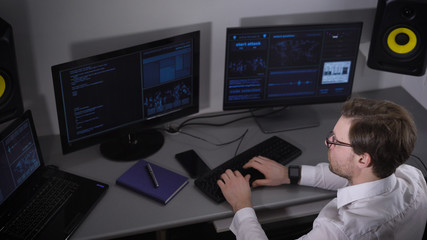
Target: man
378, 196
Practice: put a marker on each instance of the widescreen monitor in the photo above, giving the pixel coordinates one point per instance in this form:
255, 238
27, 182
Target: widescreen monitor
282, 66
117, 99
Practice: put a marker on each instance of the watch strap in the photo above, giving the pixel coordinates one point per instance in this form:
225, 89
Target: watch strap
294, 173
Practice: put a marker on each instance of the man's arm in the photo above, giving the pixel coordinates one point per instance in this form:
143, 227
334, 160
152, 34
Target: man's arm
245, 225
276, 174
321, 176
237, 192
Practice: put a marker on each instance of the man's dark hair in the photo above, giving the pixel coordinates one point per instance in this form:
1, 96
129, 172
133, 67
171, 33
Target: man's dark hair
384, 130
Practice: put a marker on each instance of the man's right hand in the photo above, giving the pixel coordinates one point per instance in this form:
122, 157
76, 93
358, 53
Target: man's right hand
274, 172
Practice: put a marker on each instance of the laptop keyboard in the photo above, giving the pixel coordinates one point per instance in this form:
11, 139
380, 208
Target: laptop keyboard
274, 148
31, 220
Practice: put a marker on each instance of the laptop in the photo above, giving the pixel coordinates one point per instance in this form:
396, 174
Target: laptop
23, 176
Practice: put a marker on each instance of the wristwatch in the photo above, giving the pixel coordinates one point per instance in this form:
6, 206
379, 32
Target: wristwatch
294, 173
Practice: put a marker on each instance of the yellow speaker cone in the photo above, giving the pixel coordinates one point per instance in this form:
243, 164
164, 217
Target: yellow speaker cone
2, 86
402, 40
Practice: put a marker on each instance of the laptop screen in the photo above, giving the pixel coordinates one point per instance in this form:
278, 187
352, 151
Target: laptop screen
19, 158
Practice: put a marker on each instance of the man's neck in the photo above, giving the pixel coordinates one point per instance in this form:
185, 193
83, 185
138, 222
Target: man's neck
363, 178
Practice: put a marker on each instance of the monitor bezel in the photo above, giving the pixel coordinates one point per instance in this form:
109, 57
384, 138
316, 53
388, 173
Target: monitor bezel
285, 102
143, 124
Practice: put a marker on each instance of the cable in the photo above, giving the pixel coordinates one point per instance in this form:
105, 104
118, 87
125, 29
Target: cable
216, 144
241, 140
186, 122
177, 129
421, 161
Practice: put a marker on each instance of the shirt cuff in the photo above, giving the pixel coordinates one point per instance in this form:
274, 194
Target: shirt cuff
240, 216
307, 175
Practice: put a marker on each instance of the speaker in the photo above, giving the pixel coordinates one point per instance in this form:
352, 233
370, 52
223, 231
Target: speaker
11, 105
399, 37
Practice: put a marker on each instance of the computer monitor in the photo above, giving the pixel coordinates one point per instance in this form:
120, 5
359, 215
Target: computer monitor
282, 66
117, 99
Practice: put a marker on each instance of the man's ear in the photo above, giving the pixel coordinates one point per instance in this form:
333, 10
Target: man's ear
364, 160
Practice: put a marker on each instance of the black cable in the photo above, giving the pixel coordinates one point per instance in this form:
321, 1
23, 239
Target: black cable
185, 123
217, 115
241, 140
214, 124
217, 144
421, 161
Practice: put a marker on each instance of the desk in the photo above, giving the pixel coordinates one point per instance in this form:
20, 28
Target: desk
122, 212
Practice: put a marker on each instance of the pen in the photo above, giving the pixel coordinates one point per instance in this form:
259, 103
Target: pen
153, 177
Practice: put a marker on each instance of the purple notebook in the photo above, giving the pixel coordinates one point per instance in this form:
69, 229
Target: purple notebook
137, 178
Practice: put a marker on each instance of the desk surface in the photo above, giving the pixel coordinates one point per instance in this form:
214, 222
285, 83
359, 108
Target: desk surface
122, 212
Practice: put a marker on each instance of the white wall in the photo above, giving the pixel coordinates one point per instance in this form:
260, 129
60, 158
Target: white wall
49, 32
417, 86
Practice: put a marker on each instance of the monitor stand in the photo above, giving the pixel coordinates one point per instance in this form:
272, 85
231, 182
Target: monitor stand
290, 118
133, 146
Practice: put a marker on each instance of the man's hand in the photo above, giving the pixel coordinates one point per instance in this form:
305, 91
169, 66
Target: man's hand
274, 172
235, 189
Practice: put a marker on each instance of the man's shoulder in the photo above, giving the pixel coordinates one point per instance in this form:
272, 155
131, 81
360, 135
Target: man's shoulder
412, 178
406, 169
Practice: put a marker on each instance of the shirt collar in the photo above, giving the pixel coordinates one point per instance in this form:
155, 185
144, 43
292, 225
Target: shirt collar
364, 190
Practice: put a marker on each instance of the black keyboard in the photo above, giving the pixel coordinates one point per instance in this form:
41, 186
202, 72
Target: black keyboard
30, 220
274, 148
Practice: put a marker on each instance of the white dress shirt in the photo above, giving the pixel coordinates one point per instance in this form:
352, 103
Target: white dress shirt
391, 208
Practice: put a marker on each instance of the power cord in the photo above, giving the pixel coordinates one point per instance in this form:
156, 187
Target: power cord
172, 129
175, 129
220, 144
421, 161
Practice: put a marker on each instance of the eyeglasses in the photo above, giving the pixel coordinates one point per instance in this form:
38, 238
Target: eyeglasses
331, 140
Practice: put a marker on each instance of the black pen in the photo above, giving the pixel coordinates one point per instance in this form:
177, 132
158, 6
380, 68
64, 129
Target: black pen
153, 177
